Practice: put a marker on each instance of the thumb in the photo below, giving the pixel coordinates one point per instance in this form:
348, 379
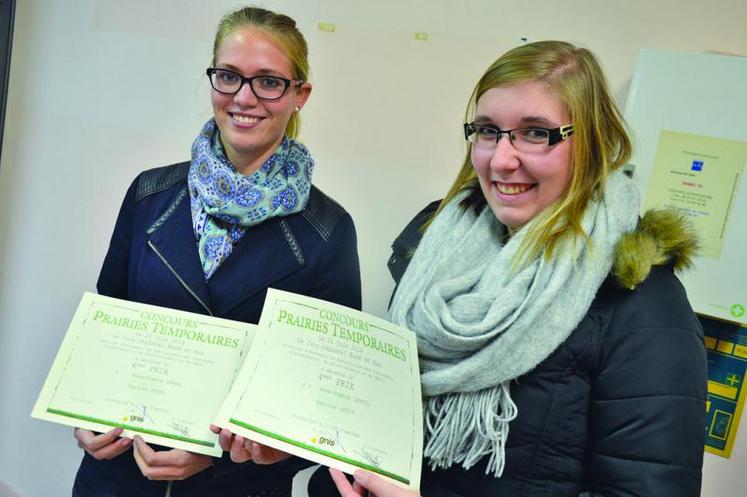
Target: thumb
374, 483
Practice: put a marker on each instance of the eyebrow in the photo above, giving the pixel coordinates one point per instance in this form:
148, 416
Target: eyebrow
483, 120
261, 72
537, 119
525, 120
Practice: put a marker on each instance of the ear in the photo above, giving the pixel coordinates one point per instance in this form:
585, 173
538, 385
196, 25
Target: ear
302, 94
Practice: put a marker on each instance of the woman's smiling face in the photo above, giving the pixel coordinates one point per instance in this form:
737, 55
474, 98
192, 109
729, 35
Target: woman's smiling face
519, 185
251, 128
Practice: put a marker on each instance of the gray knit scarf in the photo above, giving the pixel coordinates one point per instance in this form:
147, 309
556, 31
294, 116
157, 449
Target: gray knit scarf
481, 324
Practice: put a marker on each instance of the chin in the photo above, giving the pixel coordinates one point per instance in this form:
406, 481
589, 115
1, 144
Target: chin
506, 219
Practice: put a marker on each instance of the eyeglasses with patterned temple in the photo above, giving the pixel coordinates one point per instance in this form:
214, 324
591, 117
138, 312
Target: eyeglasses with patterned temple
264, 86
530, 139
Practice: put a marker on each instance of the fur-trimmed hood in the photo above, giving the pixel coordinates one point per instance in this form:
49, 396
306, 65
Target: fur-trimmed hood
662, 237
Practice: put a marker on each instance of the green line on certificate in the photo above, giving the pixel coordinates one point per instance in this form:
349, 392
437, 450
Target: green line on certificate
370, 325
300, 304
138, 429
332, 455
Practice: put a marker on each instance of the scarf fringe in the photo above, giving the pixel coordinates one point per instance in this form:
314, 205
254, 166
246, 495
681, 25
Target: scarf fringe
464, 427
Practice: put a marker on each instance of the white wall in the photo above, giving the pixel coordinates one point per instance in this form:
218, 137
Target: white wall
101, 89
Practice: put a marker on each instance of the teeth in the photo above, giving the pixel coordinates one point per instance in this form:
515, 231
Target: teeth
245, 119
512, 189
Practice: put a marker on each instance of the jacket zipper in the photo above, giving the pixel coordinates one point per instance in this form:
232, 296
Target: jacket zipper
184, 283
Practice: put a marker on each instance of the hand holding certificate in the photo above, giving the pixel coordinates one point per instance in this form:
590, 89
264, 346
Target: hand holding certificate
365, 481
320, 381
332, 385
152, 371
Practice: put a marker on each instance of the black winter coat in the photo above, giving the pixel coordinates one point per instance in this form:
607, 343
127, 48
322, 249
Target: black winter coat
619, 408
153, 259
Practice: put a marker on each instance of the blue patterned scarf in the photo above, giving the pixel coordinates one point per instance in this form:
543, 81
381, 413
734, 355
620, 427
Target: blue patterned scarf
225, 202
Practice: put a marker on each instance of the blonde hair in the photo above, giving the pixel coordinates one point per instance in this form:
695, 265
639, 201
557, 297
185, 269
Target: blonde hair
283, 32
600, 142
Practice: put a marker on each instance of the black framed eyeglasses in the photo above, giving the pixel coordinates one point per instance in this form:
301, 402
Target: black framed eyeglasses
265, 86
530, 139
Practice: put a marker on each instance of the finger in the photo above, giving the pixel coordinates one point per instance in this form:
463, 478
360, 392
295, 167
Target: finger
146, 453
149, 461
112, 450
141, 464
239, 450
215, 429
258, 455
172, 464
225, 439
342, 484
104, 446
159, 472
176, 458
94, 442
262, 454
379, 486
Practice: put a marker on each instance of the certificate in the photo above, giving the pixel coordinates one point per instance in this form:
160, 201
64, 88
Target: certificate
699, 176
332, 385
155, 372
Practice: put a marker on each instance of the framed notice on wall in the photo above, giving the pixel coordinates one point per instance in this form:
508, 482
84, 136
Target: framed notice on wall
688, 117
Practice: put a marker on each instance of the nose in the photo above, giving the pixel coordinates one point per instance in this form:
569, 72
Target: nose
245, 97
504, 156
